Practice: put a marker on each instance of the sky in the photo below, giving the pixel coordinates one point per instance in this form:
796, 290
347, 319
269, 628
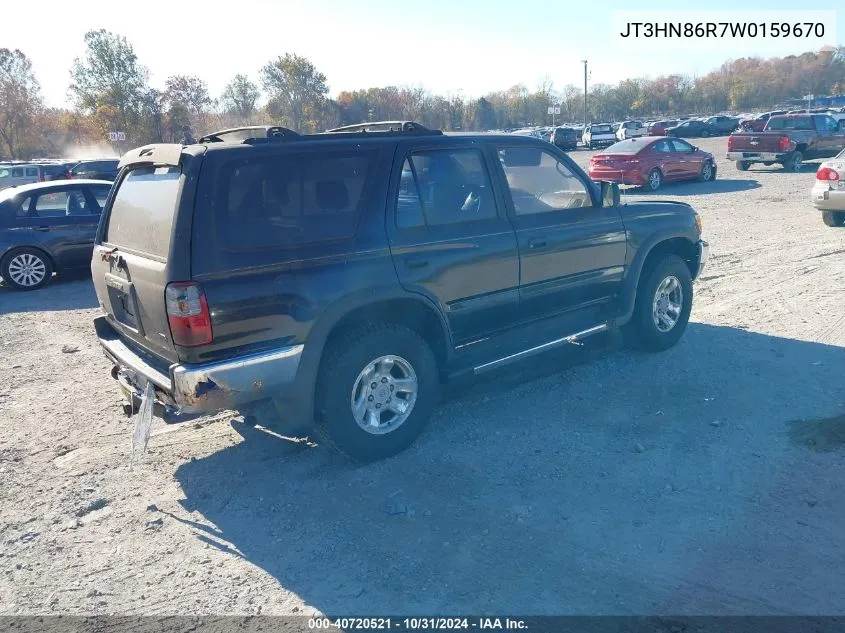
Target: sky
468, 47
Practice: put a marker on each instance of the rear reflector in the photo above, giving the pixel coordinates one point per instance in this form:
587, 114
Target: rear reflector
731, 143
784, 143
187, 313
828, 174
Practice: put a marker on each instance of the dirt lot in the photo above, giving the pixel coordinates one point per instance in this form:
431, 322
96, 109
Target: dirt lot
707, 479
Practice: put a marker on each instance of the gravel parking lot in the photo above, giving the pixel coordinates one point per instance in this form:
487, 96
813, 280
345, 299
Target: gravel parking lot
594, 480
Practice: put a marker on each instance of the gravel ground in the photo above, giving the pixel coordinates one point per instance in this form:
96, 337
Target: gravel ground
596, 480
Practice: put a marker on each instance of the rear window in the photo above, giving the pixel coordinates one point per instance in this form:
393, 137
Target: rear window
630, 147
790, 123
600, 129
289, 201
141, 216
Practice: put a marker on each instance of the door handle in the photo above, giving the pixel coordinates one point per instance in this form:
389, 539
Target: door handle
416, 263
537, 244
41, 228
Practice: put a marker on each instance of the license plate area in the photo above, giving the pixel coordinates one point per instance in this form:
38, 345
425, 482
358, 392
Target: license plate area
751, 154
122, 299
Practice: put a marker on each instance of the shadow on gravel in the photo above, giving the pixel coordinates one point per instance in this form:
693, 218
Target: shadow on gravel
74, 292
693, 188
592, 480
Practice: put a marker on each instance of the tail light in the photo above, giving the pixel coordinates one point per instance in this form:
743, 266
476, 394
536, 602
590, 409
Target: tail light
187, 314
730, 143
784, 143
828, 174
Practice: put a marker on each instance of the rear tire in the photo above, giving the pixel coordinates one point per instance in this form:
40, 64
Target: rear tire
655, 179
742, 165
26, 269
381, 354
795, 162
833, 218
662, 306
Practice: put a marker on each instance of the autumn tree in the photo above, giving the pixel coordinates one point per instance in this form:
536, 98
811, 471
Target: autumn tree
240, 96
296, 90
20, 99
108, 79
190, 91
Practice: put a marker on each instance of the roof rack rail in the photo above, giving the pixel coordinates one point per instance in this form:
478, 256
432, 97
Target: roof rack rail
385, 126
250, 135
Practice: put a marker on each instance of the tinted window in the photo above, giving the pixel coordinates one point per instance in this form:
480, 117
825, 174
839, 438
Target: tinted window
444, 187
280, 201
600, 129
17, 172
664, 147
20, 206
32, 172
100, 193
680, 146
142, 213
790, 123
539, 188
630, 147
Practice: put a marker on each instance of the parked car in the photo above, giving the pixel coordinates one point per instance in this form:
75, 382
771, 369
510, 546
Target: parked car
48, 227
828, 193
565, 138
15, 175
95, 169
757, 123
691, 128
658, 128
338, 277
788, 140
630, 129
598, 135
650, 161
57, 171
721, 125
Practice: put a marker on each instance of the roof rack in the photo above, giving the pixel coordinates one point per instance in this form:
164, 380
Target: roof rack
250, 135
384, 126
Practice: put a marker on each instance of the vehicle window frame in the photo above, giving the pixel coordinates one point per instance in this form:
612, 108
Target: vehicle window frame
561, 157
429, 228
689, 148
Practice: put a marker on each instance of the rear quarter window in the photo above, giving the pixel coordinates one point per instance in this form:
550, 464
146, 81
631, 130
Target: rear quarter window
289, 201
141, 216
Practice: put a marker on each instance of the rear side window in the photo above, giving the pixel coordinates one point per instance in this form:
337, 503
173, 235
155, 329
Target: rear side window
141, 216
289, 201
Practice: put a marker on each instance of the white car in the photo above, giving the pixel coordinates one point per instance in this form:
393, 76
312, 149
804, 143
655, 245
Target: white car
16, 174
630, 129
828, 194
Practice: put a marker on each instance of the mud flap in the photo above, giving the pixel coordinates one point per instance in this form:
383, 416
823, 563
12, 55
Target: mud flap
143, 424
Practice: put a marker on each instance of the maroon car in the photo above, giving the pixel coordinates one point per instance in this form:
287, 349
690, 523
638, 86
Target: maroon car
649, 161
658, 128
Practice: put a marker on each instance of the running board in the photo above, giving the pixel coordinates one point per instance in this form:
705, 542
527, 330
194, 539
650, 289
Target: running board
531, 351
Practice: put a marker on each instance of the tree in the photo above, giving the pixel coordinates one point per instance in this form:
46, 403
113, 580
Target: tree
485, 116
297, 91
239, 97
20, 99
109, 75
190, 91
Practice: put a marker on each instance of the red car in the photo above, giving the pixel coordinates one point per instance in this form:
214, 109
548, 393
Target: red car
649, 161
658, 128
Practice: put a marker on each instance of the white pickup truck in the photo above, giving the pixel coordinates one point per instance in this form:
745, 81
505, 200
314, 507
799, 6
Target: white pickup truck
630, 129
598, 135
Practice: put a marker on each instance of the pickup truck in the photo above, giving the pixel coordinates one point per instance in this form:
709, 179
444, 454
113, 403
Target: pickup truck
787, 140
598, 135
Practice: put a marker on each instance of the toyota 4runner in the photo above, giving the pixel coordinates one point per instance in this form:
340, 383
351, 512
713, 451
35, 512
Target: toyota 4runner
336, 279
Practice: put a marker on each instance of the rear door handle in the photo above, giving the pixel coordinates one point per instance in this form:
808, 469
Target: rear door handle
416, 263
537, 244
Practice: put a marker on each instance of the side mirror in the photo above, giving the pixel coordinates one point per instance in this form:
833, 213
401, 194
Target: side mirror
609, 194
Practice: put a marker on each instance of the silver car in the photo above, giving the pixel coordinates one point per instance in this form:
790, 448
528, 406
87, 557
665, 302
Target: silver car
13, 175
828, 194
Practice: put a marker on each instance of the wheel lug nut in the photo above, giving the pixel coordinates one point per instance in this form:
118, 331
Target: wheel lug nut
378, 406
384, 379
373, 386
370, 398
391, 387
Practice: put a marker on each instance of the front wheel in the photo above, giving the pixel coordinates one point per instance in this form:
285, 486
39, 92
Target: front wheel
833, 218
377, 388
662, 306
704, 133
708, 172
26, 269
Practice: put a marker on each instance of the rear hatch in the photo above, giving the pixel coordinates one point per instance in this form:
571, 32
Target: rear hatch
134, 255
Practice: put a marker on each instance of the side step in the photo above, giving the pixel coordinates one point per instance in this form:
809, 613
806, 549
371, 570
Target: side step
538, 349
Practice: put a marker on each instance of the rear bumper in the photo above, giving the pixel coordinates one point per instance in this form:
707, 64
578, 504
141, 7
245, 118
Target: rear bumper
826, 199
206, 387
623, 177
759, 157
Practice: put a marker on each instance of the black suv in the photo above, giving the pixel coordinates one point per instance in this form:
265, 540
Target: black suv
337, 278
95, 169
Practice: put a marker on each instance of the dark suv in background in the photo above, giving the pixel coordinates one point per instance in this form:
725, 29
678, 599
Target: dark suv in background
337, 278
565, 138
95, 169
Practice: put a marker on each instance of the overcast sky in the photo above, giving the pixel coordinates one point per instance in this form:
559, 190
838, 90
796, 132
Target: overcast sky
444, 45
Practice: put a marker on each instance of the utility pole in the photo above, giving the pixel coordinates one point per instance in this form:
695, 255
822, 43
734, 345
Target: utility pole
584, 61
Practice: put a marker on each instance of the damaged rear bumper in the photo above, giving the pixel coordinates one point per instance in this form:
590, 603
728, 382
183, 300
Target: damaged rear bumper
205, 387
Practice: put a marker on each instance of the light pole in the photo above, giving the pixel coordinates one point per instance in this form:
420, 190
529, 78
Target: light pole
584, 61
